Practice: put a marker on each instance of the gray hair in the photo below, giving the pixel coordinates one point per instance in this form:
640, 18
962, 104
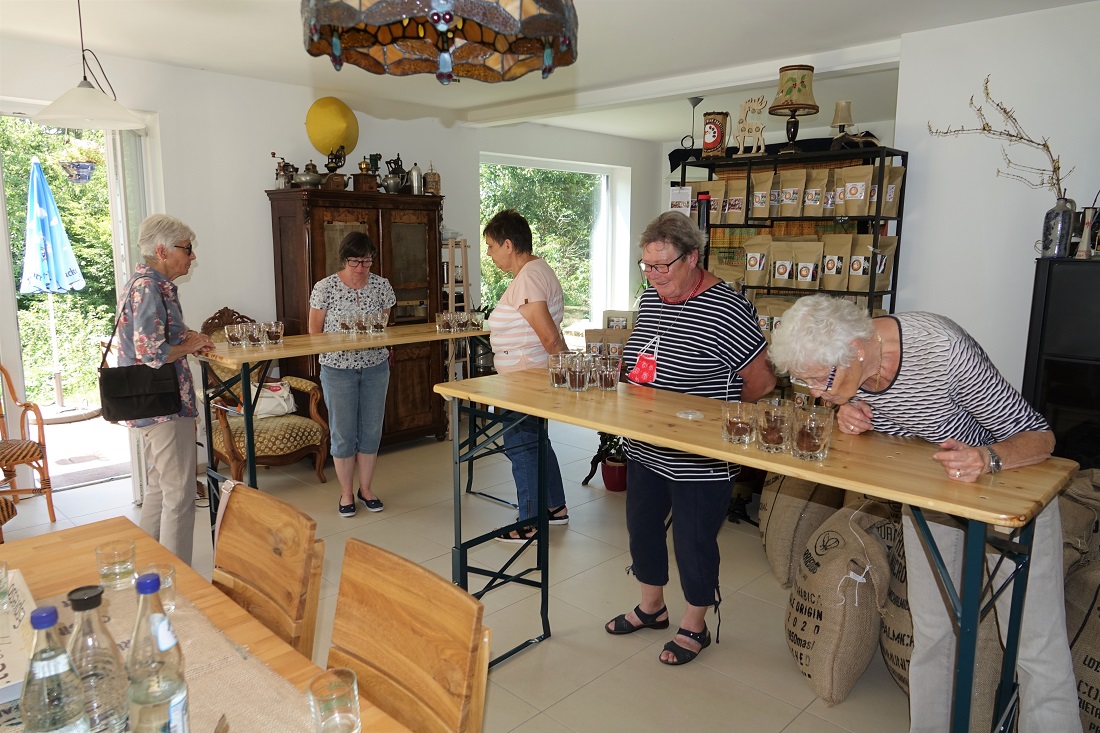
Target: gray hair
818, 331
674, 228
161, 229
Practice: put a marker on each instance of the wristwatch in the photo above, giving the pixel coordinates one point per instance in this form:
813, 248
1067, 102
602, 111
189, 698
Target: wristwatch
994, 460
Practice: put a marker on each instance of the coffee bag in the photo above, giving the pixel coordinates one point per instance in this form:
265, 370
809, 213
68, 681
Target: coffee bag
782, 275
736, 191
813, 200
857, 189
758, 260
761, 194
894, 177
837, 248
807, 265
791, 184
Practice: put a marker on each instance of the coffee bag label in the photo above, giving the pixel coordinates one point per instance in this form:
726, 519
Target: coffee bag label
782, 270
755, 261
855, 191
834, 264
813, 196
807, 271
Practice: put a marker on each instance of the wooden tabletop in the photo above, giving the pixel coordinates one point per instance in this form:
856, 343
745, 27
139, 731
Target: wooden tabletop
55, 563
324, 343
884, 466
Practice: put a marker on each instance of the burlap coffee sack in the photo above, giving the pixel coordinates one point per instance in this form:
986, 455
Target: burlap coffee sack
887, 528
833, 614
790, 511
1080, 507
1083, 625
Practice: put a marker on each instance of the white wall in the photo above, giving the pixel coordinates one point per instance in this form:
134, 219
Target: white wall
217, 133
969, 235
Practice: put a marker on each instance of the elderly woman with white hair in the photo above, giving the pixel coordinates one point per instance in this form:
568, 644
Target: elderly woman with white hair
151, 331
921, 375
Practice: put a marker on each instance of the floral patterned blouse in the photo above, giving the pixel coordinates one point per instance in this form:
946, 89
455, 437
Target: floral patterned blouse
150, 321
336, 298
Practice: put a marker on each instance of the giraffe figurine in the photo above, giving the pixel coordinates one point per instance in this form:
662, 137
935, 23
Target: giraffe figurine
750, 130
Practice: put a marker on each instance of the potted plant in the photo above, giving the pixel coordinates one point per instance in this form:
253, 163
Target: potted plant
612, 462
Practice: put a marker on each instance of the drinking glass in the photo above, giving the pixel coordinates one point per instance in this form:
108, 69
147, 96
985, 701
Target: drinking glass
579, 369
253, 334
167, 573
334, 702
738, 420
813, 427
234, 334
115, 560
607, 372
773, 425
362, 323
5, 607
462, 321
377, 322
273, 332
556, 364
477, 320
345, 321
441, 322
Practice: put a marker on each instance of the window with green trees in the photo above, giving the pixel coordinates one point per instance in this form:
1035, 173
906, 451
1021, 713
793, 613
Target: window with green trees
562, 208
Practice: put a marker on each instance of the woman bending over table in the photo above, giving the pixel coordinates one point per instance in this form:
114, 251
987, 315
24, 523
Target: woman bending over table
921, 375
524, 328
354, 382
705, 340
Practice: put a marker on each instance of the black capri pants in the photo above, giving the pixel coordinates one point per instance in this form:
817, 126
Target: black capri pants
698, 510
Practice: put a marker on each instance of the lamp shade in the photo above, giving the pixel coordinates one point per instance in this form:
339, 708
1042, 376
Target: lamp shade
842, 114
330, 124
85, 107
796, 92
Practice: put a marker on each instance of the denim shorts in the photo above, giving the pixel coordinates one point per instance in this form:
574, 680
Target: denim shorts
356, 400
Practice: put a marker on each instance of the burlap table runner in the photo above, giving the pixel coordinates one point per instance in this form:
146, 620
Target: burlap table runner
222, 677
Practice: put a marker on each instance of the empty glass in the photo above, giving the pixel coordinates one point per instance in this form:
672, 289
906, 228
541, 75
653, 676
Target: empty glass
334, 702
167, 593
578, 371
273, 332
607, 372
556, 364
773, 425
234, 334
738, 421
813, 427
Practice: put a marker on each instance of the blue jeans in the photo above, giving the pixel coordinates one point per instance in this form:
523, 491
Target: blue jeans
356, 400
521, 445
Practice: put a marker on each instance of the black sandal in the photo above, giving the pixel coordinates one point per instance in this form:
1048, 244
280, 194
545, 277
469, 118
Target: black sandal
649, 621
523, 534
682, 655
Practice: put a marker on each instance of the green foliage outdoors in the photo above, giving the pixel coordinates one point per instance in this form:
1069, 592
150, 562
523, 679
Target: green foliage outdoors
83, 316
562, 208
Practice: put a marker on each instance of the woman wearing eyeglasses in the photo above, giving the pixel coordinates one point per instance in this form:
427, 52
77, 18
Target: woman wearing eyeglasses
354, 382
695, 335
921, 375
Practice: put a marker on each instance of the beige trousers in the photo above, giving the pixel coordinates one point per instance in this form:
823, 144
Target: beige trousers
168, 510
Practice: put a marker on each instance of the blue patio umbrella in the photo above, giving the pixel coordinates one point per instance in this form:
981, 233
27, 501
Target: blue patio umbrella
49, 265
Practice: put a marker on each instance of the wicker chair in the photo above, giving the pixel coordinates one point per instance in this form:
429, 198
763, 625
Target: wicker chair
279, 440
24, 450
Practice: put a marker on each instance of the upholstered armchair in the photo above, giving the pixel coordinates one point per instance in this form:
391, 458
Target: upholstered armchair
279, 440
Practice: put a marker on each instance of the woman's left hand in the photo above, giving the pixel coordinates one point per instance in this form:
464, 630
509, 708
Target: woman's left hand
962, 462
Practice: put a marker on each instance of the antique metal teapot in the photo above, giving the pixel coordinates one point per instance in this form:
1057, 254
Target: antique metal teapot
395, 179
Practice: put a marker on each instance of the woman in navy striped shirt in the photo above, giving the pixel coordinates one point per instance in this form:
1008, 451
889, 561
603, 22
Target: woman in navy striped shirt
705, 341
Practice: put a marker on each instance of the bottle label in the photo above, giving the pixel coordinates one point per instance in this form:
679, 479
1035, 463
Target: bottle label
177, 714
43, 668
162, 631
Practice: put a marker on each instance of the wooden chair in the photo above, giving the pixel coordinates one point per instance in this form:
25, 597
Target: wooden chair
7, 512
268, 560
415, 641
23, 451
279, 440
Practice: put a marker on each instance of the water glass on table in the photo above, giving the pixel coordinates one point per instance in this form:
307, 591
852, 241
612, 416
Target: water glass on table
115, 561
813, 427
334, 702
738, 422
273, 332
773, 425
167, 593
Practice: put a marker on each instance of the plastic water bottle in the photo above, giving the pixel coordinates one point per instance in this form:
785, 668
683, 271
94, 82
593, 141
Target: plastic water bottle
53, 698
98, 663
158, 691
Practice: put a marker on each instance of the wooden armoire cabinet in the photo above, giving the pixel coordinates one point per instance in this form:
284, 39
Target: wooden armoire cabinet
307, 228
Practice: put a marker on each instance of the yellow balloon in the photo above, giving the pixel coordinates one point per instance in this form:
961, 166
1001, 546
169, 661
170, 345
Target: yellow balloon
330, 123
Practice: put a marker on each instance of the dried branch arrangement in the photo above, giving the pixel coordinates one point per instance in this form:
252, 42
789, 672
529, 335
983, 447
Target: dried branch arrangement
1013, 134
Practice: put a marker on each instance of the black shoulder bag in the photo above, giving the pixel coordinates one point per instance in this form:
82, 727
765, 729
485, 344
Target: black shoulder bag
138, 391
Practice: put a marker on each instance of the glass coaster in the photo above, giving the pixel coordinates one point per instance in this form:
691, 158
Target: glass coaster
690, 414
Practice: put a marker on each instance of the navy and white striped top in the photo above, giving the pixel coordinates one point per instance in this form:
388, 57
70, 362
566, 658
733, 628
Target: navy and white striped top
947, 387
704, 343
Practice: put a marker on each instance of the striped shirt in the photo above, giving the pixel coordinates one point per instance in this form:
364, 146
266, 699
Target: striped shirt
703, 345
516, 346
946, 387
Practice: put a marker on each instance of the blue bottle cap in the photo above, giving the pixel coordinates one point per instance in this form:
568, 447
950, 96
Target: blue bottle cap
148, 584
43, 617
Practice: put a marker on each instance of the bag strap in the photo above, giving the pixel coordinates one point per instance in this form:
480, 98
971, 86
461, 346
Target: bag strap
107, 349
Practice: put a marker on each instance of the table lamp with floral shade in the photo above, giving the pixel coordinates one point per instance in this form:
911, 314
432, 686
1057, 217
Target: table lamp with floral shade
795, 98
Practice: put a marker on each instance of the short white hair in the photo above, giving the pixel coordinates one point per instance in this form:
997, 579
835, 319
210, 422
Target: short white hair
818, 331
161, 229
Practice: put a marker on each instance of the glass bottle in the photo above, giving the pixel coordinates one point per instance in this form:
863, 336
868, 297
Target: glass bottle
53, 698
158, 690
98, 663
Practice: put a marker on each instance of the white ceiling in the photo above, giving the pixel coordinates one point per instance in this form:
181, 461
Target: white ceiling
638, 60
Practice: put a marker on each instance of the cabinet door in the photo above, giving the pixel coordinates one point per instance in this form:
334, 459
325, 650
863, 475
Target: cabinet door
406, 262
332, 226
411, 405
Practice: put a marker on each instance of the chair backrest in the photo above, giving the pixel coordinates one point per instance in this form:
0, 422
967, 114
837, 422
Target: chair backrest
269, 561
415, 641
214, 327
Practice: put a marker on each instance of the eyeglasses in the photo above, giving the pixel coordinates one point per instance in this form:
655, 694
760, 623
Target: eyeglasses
817, 383
661, 268
360, 262
189, 248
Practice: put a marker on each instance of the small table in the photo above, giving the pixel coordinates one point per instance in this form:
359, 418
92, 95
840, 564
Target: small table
886, 467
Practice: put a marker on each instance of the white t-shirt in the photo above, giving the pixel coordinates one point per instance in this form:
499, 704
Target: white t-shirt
516, 346
332, 295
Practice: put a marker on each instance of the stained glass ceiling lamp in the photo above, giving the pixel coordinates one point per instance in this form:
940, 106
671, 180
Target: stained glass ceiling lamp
87, 106
487, 40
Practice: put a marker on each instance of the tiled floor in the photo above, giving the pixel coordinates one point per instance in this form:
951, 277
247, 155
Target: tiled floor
581, 679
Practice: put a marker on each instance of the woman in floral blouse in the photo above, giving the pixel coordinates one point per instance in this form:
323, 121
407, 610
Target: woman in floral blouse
151, 331
354, 382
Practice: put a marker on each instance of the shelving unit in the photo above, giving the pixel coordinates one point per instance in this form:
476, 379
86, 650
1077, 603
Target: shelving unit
877, 225
456, 286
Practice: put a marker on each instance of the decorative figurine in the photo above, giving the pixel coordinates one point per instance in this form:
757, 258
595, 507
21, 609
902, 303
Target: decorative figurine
336, 160
750, 130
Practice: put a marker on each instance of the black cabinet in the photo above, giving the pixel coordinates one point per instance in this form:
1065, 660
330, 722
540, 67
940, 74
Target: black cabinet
1062, 367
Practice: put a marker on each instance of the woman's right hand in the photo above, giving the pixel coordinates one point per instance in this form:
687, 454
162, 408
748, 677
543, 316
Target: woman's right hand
854, 417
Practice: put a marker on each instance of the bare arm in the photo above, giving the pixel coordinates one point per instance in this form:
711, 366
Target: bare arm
966, 463
316, 322
538, 315
759, 378
193, 343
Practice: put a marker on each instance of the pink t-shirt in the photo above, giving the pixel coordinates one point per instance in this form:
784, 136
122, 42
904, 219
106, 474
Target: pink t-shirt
516, 346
